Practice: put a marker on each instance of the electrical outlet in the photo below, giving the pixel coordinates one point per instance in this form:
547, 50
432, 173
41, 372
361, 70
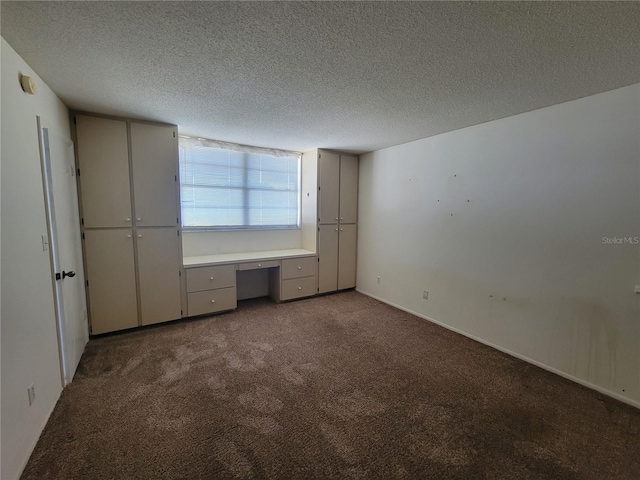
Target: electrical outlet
425, 294
378, 281
31, 391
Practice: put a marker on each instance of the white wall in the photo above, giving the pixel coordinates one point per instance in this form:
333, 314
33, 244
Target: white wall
29, 349
503, 224
213, 243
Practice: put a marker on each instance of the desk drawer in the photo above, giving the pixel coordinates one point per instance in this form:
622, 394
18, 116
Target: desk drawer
298, 287
208, 278
299, 267
211, 301
259, 265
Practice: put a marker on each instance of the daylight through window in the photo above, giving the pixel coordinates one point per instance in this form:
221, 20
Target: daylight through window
225, 186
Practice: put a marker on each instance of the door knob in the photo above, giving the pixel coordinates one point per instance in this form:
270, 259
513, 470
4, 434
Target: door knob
70, 274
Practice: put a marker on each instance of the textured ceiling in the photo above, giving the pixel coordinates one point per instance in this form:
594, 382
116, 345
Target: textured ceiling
351, 76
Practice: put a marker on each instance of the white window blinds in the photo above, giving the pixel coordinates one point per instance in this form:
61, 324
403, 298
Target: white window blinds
224, 186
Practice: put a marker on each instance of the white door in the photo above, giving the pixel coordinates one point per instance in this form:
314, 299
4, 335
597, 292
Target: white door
65, 247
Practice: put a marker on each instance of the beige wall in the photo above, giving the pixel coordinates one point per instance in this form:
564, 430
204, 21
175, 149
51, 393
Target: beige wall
29, 342
503, 224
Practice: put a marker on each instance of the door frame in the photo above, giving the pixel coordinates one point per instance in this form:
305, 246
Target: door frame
52, 246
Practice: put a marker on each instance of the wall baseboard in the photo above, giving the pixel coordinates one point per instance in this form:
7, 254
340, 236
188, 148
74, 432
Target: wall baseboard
584, 383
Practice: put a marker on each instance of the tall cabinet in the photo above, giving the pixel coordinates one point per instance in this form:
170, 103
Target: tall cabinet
337, 220
127, 178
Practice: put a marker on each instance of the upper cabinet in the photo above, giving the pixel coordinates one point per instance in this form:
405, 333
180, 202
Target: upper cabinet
328, 187
348, 189
154, 153
103, 162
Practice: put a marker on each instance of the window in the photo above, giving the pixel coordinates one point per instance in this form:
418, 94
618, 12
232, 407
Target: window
225, 186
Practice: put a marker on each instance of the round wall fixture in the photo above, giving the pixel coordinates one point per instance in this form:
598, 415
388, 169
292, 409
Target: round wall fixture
28, 85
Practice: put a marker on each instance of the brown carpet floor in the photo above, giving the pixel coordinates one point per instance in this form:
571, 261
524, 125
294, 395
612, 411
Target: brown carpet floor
340, 386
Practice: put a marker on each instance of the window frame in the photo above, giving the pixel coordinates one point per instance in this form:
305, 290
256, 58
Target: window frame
242, 149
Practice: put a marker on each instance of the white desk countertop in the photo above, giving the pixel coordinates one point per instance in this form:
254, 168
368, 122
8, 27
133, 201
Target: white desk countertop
226, 258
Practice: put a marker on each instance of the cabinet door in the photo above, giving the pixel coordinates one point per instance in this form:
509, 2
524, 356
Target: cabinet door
348, 189
154, 158
347, 257
112, 280
328, 256
158, 272
103, 160
329, 183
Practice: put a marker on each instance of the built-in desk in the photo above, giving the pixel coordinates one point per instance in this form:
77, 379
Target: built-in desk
211, 282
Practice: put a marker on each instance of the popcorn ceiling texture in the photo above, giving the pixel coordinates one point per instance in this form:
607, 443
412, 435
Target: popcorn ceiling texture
353, 76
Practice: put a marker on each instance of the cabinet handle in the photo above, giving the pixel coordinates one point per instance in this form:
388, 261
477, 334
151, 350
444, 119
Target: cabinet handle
139, 235
336, 218
341, 230
299, 268
211, 278
127, 219
299, 288
259, 264
129, 236
138, 219
341, 218
336, 229
213, 301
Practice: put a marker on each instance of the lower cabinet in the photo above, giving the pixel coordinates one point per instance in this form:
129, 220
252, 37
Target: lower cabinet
297, 278
328, 255
211, 301
111, 280
347, 245
211, 289
159, 274
116, 300
337, 253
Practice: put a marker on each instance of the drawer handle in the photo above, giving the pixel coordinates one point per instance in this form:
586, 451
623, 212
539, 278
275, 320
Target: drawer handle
139, 235
259, 264
129, 236
299, 288
127, 220
299, 268
213, 301
138, 219
211, 278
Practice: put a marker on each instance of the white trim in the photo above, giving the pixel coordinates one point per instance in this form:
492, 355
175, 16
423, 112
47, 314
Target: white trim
584, 383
